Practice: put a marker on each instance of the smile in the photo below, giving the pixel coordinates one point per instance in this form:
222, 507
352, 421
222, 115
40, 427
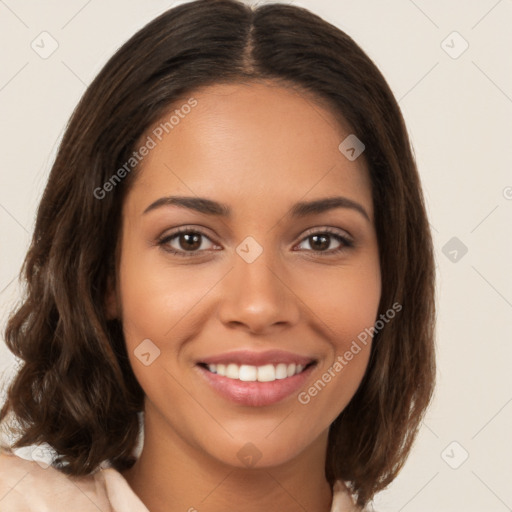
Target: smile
256, 379
249, 373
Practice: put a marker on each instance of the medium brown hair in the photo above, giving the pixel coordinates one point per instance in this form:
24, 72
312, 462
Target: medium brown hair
76, 390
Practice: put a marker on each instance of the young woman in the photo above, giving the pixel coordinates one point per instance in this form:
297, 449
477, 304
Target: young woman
233, 247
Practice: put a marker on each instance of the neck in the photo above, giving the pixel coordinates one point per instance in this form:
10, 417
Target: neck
173, 476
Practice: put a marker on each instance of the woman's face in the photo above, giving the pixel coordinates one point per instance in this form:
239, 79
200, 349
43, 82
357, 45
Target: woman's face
265, 277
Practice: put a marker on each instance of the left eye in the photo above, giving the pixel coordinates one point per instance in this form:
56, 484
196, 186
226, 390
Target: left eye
321, 241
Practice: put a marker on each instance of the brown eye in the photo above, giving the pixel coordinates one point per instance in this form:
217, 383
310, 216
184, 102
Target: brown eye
320, 242
186, 242
323, 241
189, 241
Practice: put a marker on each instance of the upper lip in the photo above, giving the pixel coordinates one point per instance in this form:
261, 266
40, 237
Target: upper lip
253, 358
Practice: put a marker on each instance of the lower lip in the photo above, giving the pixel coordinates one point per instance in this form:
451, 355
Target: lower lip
255, 394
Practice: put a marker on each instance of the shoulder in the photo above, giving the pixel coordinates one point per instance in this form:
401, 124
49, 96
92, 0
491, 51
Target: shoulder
30, 486
342, 500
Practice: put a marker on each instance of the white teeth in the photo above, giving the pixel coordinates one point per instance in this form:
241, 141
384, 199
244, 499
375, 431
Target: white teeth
266, 373
281, 371
232, 371
249, 373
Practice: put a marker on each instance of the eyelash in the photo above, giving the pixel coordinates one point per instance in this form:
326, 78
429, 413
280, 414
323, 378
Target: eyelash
346, 243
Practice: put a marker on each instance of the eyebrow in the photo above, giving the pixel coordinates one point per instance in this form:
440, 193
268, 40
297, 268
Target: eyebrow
298, 210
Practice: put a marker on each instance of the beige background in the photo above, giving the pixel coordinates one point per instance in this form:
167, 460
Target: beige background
459, 114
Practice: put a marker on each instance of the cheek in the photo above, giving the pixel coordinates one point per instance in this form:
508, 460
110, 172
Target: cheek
156, 297
345, 299
335, 384
349, 312
157, 302
346, 303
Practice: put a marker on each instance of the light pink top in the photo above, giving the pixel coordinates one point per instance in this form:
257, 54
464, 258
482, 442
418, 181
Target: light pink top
30, 487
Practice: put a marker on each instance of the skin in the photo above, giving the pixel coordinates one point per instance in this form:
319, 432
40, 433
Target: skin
258, 148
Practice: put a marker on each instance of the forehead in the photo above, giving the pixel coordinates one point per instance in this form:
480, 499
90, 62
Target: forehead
251, 142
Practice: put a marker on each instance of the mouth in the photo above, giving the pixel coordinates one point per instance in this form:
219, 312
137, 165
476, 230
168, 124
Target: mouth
256, 379
251, 373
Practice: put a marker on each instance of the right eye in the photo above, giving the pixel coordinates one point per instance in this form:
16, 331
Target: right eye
184, 242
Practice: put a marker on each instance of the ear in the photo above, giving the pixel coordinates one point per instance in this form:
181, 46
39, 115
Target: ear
111, 302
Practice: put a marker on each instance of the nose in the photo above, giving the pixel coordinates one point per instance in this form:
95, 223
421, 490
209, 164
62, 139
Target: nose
258, 297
